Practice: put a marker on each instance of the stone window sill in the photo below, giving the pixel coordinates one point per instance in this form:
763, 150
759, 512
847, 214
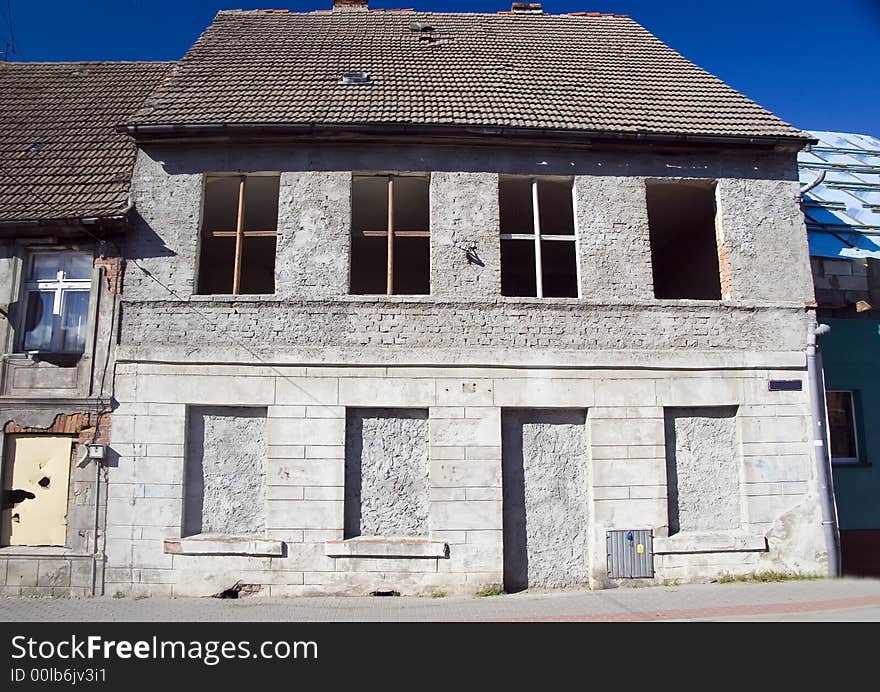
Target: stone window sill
387, 547
224, 545
717, 542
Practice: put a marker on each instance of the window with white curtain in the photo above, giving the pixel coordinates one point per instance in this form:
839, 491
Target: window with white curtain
56, 300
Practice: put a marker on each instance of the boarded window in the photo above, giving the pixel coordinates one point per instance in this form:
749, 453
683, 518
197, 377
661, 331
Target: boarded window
390, 235
239, 230
36, 478
702, 469
538, 242
386, 472
842, 426
544, 476
225, 485
684, 250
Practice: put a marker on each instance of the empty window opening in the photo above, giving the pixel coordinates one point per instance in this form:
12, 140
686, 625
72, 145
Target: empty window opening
386, 473
684, 250
57, 302
225, 484
538, 240
239, 231
390, 235
36, 477
842, 427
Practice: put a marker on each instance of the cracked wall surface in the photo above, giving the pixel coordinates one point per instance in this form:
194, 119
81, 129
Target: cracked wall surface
386, 473
545, 491
225, 471
703, 467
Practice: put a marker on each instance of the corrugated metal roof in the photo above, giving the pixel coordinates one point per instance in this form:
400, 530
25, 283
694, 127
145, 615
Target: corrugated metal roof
603, 74
843, 212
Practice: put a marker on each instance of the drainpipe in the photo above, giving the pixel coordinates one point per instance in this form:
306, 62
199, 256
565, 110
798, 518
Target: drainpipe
820, 450
94, 574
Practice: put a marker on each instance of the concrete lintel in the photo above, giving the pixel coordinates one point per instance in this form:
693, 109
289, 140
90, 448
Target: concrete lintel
720, 542
387, 547
224, 545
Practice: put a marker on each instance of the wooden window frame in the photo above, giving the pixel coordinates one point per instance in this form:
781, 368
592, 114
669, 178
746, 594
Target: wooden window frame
389, 232
239, 233
537, 237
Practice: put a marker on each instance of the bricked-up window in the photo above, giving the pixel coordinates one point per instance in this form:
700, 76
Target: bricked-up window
684, 250
390, 235
239, 229
842, 426
57, 287
538, 241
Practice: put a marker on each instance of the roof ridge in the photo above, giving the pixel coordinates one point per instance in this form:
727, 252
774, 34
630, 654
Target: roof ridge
89, 62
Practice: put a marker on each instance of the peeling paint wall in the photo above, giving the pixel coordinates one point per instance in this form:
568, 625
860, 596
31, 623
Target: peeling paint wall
386, 473
35, 490
225, 471
545, 491
703, 469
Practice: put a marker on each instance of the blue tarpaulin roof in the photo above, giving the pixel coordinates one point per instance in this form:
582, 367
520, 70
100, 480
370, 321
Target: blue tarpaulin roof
842, 212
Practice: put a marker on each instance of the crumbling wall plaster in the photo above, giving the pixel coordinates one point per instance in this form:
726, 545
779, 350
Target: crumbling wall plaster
545, 491
703, 469
759, 222
274, 327
386, 473
763, 217
465, 252
314, 223
225, 481
615, 246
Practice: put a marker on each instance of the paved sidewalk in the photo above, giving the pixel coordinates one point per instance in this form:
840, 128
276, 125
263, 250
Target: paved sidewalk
823, 599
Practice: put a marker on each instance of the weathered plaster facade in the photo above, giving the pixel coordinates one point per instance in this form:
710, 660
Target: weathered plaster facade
52, 397
311, 354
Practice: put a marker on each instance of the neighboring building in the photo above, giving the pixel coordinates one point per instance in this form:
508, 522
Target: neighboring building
429, 301
64, 182
843, 221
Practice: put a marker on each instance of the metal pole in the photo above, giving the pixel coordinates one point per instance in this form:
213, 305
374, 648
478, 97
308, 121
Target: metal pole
820, 452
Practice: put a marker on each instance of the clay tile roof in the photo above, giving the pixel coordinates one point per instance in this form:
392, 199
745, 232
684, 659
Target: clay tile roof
60, 156
560, 72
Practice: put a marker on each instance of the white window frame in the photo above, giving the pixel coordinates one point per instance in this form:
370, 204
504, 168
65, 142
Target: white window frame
536, 237
60, 285
854, 424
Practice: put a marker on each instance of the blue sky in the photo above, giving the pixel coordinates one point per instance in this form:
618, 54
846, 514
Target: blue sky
814, 63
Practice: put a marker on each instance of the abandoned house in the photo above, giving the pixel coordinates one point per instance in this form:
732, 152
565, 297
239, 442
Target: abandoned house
408, 309
64, 180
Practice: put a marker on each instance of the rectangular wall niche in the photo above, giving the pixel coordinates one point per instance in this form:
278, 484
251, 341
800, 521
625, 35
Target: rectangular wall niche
386, 472
545, 486
225, 486
703, 469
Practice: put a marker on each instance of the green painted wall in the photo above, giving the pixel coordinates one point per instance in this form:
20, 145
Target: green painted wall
851, 358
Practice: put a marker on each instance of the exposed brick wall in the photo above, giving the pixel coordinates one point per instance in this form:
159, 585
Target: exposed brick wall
269, 326
92, 428
113, 272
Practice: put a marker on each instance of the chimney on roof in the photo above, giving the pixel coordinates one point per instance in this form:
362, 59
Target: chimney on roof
526, 8
350, 4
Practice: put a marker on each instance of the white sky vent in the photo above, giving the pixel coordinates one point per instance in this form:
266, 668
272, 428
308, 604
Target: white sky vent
356, 78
